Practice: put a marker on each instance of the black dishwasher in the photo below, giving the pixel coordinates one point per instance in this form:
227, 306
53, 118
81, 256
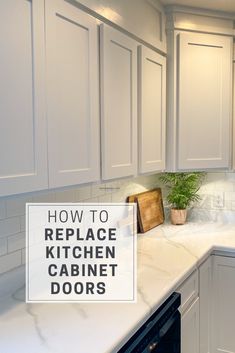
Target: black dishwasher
160, 333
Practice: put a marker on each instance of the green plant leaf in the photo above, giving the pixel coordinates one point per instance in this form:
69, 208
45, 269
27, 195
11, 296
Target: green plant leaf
183, 188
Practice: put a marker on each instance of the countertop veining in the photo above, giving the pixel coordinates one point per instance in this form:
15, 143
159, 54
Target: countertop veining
166, 256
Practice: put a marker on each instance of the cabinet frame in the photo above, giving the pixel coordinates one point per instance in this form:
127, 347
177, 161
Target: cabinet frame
146, 163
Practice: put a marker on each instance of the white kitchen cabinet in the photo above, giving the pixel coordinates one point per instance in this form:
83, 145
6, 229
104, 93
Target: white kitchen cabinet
223, 306
118, 103
199, 89
204, 101
152, 110
205, 294
23, 156
189, 314
190, 329
72, 95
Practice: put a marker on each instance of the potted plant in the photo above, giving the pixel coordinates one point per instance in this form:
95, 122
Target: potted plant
183, 191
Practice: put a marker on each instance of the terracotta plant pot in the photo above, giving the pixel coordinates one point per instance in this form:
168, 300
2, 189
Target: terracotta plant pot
178, 216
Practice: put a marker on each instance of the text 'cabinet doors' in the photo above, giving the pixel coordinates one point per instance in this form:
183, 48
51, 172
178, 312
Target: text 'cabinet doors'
152, 110
73, 95
23, 156
204, 100
118, 104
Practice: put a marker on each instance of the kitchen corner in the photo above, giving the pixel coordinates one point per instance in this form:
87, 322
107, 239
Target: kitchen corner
167, 256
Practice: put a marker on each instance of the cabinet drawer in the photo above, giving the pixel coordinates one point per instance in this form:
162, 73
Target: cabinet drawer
189, 291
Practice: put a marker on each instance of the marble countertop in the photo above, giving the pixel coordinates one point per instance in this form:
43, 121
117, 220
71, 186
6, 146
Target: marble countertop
166, 257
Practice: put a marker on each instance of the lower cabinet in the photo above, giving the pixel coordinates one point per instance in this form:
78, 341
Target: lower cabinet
208, 307
190, 329
223, 305
190, 314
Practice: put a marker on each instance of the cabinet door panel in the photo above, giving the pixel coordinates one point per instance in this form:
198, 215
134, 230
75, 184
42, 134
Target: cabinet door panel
223, 320
72, 68
152, 112
190, 329
118, 95
23, 165
204, 101
205, 282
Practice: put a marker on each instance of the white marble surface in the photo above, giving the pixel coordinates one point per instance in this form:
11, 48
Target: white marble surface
166, 256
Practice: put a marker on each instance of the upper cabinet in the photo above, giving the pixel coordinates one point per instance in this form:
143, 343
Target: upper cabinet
200, 100
204, 101
152, 110
56, 87
118, 104
63, 87
23, 158
72, 95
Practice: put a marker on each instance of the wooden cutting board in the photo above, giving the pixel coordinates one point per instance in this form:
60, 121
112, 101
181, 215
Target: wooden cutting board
150, 209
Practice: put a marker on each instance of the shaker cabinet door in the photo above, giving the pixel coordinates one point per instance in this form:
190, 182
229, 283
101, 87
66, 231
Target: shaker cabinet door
118, 104
73, 96
204, 101
152, 110
223, 308
23, 150
190, 329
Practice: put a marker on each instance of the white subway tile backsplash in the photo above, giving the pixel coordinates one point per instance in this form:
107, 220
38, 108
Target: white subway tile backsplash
16, 206
105, 198
119, 196
205, 202
230, 177
229, 195
2, 209
223, 185
215, 177
12, 209
3, 246
23, 256
113, 186
66, 196
16, 242
92, 200
83, 193
228, 204
98, 190
9, 226
22, 223
44, 197
10, 261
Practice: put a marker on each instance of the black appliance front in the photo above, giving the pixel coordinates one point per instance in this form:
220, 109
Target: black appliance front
160, 333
